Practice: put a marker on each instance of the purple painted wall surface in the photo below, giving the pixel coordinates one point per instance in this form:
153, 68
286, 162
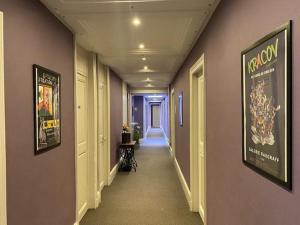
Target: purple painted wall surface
237, 195
116, 117
40, 189
182, 144
138, 112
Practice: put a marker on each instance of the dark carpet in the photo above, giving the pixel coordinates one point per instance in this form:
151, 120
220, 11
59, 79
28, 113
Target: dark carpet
151, 196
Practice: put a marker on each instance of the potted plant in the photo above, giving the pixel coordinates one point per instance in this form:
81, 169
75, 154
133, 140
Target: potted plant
125, 133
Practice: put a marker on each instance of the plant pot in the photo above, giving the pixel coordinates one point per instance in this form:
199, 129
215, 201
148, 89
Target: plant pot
126, 137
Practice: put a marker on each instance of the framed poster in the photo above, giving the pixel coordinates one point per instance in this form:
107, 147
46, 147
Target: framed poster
180, 110
47, 118
267, 106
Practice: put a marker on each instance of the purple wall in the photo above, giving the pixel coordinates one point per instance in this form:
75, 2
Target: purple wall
138, 112
235, 194
182, 144
116, 117
40, 189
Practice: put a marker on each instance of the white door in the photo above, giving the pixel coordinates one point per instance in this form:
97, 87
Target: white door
155, 116
201, 146
82, 153
2, 132
101, 135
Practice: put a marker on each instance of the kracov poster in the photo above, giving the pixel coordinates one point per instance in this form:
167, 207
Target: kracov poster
266, 87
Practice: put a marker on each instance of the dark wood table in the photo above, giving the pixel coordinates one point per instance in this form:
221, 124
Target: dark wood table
127, 160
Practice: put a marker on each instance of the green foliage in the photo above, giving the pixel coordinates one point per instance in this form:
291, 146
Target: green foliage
136, 134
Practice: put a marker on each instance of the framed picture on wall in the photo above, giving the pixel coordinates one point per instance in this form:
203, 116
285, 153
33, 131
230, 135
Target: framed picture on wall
47, 111
267, 106
180, 109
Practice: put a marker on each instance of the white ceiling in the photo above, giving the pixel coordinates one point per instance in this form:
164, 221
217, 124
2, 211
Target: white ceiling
168, 29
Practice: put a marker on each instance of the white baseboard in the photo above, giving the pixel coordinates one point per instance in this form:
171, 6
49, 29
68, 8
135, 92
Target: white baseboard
113, 174
166, 137
171, 152
145, 136
102, 184
98, 199
184, 185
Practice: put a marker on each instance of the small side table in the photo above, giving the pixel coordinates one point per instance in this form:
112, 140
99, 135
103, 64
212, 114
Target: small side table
127, 159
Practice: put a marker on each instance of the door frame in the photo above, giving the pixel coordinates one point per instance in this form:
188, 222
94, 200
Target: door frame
151, 109
194, 159
93, 197
172, 121
102, 163
3, 209
107, 153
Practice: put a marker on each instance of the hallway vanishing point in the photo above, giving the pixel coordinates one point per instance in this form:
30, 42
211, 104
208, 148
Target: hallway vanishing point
151, 196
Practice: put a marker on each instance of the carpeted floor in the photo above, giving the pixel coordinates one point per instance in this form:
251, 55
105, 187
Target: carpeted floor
151, 196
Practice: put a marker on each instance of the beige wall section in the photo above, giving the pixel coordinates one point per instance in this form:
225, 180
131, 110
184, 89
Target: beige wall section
125, 102
82, 61
3, 220
92, 130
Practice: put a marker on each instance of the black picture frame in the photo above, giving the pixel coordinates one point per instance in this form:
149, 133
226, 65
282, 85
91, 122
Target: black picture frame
47, 109
180, 109
267, 106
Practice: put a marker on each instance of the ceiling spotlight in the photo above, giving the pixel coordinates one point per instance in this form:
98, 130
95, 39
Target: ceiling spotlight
141, 46
136, 22
144, 58
145, 67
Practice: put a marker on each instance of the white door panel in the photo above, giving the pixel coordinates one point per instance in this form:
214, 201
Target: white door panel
101, 134
82, 154
156, 116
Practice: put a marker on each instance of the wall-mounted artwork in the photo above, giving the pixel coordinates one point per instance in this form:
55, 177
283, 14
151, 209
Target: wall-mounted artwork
47, 119
267, 106
180, 109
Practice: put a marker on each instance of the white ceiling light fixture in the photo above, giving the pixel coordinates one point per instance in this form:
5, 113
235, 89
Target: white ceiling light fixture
136, 22
155, 96
141, 46
146, 68
144, 58
149, 85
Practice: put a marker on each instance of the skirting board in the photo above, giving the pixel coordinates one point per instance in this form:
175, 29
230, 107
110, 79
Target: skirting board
113, 174
184, 185
171, 152
98, 199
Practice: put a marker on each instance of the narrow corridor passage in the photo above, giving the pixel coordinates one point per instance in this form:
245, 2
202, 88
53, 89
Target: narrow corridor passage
151, 196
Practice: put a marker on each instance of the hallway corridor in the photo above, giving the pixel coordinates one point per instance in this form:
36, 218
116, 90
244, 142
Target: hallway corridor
151, 196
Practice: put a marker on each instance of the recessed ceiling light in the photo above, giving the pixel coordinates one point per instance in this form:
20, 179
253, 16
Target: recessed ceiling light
145, 67
141, 46
136, 22
144, 58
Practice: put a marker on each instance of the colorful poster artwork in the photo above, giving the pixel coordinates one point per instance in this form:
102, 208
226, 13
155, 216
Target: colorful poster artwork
266, 82
47, 109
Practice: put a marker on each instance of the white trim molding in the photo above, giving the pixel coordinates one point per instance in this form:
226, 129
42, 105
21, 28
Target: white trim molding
113, 174
184, 185
3, 209
198, 66
171, 152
